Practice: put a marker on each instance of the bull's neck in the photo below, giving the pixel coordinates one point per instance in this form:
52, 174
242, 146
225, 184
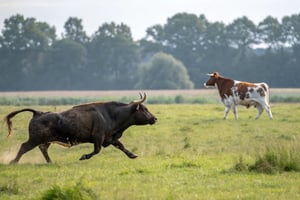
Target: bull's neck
123, 118
224, 86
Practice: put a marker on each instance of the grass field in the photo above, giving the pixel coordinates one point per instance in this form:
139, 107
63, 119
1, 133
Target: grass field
191, 153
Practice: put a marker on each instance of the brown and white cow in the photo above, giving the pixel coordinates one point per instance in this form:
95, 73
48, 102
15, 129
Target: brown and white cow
233, 93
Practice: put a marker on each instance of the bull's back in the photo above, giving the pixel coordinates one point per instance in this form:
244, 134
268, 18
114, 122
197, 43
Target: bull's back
84, 118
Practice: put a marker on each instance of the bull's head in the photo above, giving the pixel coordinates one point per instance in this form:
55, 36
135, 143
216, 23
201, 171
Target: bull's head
142, 115
211, 83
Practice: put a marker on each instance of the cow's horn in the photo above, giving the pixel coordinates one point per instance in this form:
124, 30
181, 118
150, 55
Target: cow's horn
143, 98
209, 74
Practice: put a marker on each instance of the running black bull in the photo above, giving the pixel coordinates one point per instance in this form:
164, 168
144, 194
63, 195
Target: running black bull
101, 124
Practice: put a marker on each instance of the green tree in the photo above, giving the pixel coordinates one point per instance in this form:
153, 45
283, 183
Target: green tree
23, 43
113, 57
65, 66
183, 36
74, 30
163, 71
21, 33
291, 29
152, 42
242, 34
270, 32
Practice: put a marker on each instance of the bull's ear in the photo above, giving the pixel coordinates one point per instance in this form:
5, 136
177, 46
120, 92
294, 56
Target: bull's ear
137, 107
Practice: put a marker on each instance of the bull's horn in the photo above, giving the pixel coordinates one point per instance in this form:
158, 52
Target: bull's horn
143, 98
209, 74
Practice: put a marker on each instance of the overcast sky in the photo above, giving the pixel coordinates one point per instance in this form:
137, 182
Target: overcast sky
141, 14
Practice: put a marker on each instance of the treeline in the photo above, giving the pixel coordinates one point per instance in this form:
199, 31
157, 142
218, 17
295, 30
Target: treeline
175, 55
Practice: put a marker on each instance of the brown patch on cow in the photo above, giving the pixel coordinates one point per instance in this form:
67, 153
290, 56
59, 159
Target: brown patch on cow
261, 92
264, 86
242, 89
224, 87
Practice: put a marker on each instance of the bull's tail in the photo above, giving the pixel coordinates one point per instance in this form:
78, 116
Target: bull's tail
7, 118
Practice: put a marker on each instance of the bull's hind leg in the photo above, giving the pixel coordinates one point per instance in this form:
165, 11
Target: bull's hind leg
44, 150
120, 146
25, 147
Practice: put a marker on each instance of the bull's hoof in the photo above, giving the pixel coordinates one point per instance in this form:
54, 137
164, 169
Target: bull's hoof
84, 157
132, 156
13, 162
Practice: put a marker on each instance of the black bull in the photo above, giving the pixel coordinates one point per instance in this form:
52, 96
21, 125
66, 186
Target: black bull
99, 123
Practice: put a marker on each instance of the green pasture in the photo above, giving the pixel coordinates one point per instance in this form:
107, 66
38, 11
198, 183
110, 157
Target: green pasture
190, 153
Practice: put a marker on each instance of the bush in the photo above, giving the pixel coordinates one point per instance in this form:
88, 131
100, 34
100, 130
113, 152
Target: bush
9, 188
278, 158
275, 159
76, 192
241, 166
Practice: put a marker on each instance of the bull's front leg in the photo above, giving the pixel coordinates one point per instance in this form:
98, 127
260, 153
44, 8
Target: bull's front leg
120, 146
97, 147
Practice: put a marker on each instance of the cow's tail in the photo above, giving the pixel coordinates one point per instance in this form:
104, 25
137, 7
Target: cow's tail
7, 118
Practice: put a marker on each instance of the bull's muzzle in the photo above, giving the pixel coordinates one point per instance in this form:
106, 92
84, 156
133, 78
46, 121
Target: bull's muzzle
153, 120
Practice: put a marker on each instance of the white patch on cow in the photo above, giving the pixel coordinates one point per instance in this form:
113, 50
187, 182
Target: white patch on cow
228, 100
236, 82
209, 86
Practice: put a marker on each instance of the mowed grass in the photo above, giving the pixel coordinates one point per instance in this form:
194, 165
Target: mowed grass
190, 153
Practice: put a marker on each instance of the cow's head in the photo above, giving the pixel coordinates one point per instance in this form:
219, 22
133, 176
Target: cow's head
141, 115
211, 83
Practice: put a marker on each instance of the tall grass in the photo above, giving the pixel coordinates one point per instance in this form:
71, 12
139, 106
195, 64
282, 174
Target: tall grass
70, 192
282, 157
278, 158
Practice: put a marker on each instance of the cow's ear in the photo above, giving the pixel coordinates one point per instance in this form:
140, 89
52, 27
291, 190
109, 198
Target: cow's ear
216, 75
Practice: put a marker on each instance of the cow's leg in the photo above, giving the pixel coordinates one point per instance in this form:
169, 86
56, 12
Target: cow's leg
234, 109
97, 147
259, 109
268, 110
25, 147
44, 150
120, 146
227, 109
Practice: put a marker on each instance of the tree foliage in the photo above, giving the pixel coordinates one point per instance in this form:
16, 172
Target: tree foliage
74, 30
32, 57
163, 71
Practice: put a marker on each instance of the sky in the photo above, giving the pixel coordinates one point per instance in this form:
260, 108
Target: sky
142, 14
